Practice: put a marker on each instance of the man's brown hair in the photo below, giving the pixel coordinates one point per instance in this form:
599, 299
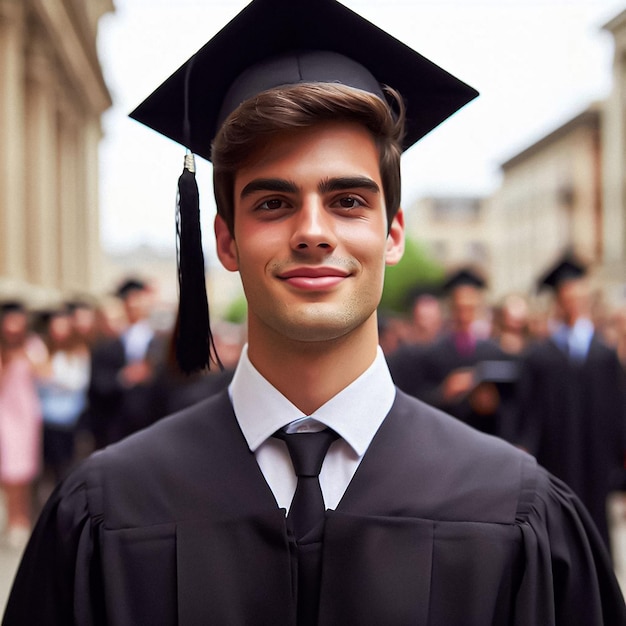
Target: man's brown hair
301, 106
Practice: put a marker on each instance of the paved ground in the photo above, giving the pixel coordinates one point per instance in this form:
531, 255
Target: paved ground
617, 508
9, 558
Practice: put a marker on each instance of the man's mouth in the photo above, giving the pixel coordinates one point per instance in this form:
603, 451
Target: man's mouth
314, 278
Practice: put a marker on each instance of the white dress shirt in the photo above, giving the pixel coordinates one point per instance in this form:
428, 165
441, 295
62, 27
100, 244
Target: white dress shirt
136, 339
575, 340
355, 413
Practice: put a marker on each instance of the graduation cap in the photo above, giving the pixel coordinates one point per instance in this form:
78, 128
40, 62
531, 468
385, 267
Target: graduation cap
273, 43
464, 276
566, 269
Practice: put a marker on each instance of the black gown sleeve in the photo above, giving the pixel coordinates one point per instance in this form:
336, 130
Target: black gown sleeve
568, 577
58, 582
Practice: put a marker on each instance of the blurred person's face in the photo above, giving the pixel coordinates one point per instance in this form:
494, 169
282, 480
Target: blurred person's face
111, 318
427, 315
466, 301
515, 315
84, 320
137, 304
60, 328
620, 321
573, 300
13, 327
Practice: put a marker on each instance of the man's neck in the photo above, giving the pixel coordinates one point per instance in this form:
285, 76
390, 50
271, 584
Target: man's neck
309, 374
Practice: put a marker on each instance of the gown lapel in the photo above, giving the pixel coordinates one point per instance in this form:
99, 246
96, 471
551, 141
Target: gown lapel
235, 571
376, 553
235, 558
390, 547
370, 526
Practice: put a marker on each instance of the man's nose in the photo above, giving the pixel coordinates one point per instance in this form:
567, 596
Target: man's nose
313, 227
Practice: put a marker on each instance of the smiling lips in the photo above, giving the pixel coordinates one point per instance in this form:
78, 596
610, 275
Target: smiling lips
314, 278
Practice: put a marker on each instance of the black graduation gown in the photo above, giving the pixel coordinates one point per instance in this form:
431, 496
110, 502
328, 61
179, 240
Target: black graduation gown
572, 419
441, 525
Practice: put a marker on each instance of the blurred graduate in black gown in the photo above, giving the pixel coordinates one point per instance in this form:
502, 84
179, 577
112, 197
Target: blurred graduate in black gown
572, 395
462, 370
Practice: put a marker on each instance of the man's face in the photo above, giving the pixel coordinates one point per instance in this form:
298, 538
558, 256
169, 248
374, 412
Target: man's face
310, 238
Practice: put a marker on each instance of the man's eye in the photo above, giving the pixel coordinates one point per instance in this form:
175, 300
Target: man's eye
349, 202
271, 205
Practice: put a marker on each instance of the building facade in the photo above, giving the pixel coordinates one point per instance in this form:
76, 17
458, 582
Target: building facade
614, 157
565, 191
454, 229
52, 94
549, 201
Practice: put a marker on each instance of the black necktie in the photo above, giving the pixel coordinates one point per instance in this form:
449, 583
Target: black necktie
307, 451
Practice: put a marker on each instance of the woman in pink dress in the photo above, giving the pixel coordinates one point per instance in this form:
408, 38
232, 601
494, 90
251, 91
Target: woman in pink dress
20, 422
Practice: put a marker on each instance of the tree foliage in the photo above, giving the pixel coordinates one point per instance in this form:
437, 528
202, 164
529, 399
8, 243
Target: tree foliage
416, 269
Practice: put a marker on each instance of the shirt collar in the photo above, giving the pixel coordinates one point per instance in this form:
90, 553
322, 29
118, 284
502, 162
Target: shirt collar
136, 339
576, 339
355, 413
583, 329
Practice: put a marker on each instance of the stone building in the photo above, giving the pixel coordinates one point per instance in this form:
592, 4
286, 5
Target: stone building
455, 229
614, 158
566, 190
550, 200
569, 190
52, 94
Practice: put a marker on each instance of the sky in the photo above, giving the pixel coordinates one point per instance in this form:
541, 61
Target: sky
535, 63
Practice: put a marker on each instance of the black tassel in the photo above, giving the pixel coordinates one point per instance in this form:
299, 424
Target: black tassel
194, 343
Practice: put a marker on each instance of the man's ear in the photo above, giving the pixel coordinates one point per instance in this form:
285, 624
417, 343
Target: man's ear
225, 245
395, 239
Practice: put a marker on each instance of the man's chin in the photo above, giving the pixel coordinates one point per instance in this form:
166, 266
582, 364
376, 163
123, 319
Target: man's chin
317, 328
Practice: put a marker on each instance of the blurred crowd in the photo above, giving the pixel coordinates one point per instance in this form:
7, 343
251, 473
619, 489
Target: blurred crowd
80, 375
546, 374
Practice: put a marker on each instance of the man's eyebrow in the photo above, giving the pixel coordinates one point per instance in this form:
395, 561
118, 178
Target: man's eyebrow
344, 183
279, 185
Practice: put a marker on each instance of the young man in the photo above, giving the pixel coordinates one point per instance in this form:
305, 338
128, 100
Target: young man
426, 520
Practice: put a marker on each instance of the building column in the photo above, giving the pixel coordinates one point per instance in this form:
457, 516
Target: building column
92, 254
78, 219
614, 156
41, 172
70, 192
12, 200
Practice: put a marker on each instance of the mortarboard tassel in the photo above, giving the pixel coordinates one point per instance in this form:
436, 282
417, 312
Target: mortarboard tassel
194, 342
